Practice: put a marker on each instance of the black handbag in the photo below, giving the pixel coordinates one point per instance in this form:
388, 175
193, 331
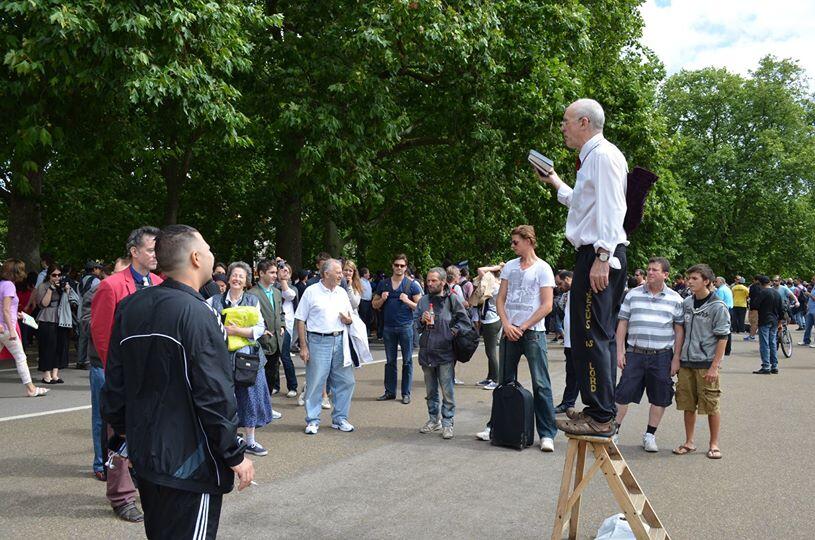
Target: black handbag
465, 343
246, 369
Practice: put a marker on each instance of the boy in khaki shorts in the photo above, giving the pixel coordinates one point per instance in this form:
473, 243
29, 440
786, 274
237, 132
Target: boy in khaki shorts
707, 326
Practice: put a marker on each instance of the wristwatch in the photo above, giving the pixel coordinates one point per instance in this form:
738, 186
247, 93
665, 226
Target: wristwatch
603, 256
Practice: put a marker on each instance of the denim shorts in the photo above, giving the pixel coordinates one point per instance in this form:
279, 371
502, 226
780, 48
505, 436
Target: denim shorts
651, 372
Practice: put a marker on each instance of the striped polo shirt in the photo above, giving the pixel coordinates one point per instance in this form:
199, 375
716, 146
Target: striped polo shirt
651, 317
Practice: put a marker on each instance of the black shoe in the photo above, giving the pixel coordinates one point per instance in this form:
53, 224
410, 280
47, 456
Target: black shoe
83, 365
406, 399
774, 371
561, 409
762, 371
385, 397
129, 512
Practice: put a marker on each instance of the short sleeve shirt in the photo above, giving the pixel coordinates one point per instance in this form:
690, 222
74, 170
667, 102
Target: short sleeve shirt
320, 308
651, 317
396, 312
7, 288
523, 290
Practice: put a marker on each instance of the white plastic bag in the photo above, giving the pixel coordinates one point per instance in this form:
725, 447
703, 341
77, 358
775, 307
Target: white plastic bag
615, 527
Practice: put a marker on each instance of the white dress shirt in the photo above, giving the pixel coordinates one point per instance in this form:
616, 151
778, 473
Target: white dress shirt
320, 308
597, 202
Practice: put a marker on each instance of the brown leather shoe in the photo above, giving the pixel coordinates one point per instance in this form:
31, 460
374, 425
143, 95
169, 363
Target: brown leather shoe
574, 414
587, 425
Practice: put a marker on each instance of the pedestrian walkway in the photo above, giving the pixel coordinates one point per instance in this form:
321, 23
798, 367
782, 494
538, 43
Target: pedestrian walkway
385, 480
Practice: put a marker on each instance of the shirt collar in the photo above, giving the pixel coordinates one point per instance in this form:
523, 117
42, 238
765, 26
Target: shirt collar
326, 289
590, 145
173, 284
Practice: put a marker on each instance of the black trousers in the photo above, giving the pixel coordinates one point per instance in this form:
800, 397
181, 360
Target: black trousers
272, 371
593, 324
571, 391
366, 313
737, 316
174, 514
53, 341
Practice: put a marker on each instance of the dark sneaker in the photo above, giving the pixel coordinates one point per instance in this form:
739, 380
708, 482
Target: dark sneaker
406, 399
762, 371
774, 371
488, 381
562, 408
386, 397
129, 512
256, 449
587, 426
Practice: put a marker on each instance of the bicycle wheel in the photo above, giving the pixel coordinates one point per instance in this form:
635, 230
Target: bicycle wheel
786, 342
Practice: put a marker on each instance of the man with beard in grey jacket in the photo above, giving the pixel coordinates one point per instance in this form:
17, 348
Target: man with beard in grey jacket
707, 326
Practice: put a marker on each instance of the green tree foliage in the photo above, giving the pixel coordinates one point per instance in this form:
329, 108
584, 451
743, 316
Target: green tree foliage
744, 152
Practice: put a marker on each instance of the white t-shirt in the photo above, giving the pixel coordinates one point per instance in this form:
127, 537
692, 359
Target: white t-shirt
492, 314
523, 290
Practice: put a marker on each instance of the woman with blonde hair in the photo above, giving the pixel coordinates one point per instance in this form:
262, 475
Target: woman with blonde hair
351, 275
13, 272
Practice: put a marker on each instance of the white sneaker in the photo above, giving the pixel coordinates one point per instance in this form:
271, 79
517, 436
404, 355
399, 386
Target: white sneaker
312, 428
649, 442
812, 345
547, 445
458, 381
291, 393
302, 399
483, 435
490, 386
276, 415
344, 425
802, 343
326, 403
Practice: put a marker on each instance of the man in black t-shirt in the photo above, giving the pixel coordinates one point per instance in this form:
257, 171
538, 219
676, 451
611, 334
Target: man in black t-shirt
770, 311
752, 316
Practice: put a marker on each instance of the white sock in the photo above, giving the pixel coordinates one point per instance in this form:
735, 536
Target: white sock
250, 439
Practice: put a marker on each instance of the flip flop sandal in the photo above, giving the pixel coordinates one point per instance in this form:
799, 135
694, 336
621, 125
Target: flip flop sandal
683, 450
39, 392
714, 453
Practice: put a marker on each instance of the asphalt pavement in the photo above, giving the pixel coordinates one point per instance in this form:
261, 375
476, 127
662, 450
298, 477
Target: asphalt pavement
385, 480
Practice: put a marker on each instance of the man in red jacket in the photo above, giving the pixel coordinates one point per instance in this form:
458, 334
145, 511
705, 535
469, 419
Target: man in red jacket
141, 247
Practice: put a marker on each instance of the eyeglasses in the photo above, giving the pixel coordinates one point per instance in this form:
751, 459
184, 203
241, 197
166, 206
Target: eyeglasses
56, 274
399, 265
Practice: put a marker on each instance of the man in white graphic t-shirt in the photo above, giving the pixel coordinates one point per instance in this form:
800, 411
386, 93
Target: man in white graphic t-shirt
524, 300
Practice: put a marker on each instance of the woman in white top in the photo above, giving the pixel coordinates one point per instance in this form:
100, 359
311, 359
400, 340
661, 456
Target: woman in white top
491, 328
351, 274
289, 294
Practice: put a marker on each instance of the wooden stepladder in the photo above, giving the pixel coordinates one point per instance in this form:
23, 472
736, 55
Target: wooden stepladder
638, 511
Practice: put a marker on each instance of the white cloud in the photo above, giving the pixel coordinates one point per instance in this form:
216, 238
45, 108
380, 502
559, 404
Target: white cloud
735, 34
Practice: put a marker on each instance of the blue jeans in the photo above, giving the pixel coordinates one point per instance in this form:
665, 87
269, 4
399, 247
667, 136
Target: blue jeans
767, 338
288, 366
402, 337
533, 346
325, 365
810, 322
97, 379
440, 376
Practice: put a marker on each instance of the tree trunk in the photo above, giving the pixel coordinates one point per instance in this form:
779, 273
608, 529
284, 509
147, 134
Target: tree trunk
289, 241
25, 223
175, 171
333, 242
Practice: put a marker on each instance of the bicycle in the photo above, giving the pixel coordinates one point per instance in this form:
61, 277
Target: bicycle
784, 340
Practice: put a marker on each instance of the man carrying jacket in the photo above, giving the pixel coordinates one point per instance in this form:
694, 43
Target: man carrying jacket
436, 354
170, 391
138, 275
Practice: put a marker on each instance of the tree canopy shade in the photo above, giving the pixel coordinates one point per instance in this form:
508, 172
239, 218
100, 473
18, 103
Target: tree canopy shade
365, 128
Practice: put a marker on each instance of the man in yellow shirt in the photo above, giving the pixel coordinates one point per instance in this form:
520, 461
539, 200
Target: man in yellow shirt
740, 293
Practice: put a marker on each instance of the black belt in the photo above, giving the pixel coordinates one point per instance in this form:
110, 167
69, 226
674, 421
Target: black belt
334, 334
643, 350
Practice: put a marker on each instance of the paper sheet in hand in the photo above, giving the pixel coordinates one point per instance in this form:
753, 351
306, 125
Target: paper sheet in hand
540, 162
28, 320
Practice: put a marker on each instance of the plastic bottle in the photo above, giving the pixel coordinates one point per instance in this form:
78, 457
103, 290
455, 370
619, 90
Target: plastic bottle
432, 323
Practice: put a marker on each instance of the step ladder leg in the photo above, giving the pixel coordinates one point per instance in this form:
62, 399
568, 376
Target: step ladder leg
565, 482
574, 520
622, 495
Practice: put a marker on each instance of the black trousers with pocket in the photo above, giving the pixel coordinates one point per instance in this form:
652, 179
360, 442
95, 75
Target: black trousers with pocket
593, 318
175, 514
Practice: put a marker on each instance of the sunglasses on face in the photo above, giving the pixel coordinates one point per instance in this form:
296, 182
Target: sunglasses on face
56, 274
399, 265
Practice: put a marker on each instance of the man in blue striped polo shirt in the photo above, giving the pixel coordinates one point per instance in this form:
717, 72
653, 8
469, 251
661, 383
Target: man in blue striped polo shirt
652, 316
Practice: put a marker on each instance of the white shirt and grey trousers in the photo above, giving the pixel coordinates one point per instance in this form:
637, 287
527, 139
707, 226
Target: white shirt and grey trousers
597, 209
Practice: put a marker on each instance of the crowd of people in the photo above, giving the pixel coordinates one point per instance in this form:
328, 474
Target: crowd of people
184, 352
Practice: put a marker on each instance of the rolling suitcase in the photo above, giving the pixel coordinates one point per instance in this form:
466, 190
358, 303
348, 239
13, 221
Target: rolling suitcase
513, 416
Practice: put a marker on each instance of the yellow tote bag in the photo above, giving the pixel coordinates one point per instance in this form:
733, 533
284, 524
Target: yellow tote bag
244, 317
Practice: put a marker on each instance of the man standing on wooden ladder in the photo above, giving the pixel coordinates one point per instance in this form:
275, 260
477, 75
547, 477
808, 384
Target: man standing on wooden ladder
594, 226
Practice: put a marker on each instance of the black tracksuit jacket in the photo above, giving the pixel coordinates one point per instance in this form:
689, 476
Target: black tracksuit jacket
169, 387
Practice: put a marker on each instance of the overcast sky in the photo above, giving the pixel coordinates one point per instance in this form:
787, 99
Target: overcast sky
734, 34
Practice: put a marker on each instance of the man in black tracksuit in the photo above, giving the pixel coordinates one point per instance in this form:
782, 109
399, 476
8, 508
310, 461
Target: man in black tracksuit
169, 389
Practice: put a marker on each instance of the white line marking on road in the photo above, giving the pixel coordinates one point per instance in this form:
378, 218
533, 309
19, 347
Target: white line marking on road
44, 413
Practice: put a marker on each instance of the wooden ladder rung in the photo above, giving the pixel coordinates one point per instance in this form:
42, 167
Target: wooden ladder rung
619, 466
638, 500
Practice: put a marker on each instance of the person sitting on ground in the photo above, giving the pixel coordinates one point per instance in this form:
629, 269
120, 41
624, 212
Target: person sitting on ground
698, 388
651, 317
436, 355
